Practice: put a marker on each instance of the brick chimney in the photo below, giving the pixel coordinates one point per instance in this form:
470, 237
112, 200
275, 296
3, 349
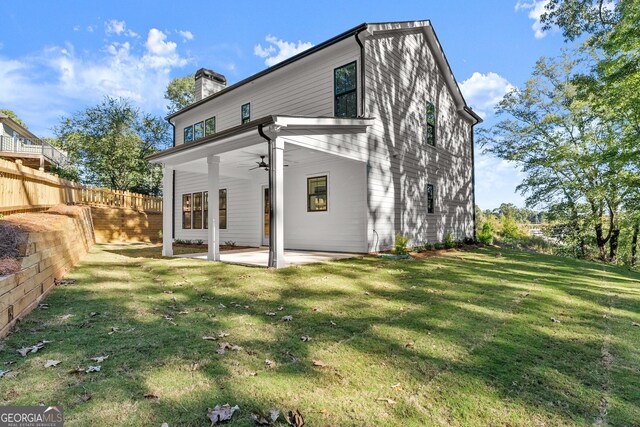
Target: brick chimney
208, 82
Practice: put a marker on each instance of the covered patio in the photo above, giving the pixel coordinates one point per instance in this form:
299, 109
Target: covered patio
294, 143
259, 257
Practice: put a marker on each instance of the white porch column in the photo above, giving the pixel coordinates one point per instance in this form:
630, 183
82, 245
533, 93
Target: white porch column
167, 210
213, 188
276, 253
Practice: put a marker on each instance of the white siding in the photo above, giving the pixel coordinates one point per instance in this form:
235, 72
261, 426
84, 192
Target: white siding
341, 228
304, 88
401, 75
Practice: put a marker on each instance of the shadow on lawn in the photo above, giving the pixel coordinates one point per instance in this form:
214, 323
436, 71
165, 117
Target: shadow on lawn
495, 335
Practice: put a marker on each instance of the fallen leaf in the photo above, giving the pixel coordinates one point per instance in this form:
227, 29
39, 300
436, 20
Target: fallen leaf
32, 349
305, 338
92, 369
64, 281
387, 400
222, 306
333, 323
164, 425
287, 318
315, 309
223, 346
319, 364
66, 316
168, 292
49, 363
635, 324
3, 373
410, 344
253, 374
85, 397
265, 420
270, 313
114, 329
397, 386
93, 314
43, 306
210, 338
11, 374
100, 359
498, 255
195, 366
221, 413
280, 308
270, 363
152, 396
554, 320
295, 419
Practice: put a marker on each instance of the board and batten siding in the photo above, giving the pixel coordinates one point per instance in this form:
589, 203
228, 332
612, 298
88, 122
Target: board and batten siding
341, 228
303, 88
401, 76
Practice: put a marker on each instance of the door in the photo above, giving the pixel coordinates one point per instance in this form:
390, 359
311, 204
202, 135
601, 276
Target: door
265, 216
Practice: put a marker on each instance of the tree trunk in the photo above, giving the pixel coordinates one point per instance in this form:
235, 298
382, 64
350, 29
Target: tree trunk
634, 244
601, 242
613, 245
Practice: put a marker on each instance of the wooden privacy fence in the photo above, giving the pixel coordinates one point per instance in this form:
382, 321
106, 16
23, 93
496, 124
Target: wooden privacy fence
23, 189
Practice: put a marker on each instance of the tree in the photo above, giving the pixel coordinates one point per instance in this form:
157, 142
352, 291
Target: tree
180, 93
567, 151
14, 117
108, 144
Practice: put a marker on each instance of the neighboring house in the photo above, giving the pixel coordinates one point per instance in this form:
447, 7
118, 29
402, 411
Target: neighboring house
338, 148
17, 143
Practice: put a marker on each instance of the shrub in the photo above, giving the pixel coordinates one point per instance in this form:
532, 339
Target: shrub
230, 243
468, 241
510, 229
486, 234
449, 241
401, 244
438, 246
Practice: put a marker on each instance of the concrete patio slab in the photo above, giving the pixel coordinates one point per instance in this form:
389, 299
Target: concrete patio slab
259, 257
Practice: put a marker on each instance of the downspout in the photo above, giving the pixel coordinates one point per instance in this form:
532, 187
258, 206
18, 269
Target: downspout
473, 177
362, 74
173, 197
270, 173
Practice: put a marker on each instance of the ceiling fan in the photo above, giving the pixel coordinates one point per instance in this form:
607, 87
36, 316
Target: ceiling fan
262, 164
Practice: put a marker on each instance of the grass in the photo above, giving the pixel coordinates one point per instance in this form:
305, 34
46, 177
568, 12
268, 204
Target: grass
465, 338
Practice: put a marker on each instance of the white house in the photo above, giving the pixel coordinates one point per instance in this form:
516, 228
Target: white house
338, 148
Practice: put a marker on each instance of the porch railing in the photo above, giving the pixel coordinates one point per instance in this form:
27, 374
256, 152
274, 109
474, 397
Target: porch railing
23, 145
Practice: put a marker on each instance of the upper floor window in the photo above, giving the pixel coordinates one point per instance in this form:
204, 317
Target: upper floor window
188, 134
345, 91
430, 205
245, 113
210, 126
317, 194
431, 124
198, 130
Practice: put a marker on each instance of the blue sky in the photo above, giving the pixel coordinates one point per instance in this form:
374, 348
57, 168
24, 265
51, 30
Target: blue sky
59, 57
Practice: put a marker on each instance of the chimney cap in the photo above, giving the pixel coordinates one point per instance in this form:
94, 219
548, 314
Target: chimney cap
211, 75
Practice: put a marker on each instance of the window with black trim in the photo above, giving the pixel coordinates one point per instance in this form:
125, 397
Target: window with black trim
197, 211
186, 211
223, 208
245, 113
431, 124
210, 126
430, 204
345, 90
205, 210
188, 134
198, 130
317, 194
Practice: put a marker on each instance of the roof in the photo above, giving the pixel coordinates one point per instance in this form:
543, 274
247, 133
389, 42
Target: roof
17, 126
286, 121
371, 27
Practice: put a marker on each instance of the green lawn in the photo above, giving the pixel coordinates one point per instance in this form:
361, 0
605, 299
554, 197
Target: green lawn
466, 338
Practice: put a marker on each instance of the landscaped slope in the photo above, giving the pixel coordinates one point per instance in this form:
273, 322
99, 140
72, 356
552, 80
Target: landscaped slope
467, 338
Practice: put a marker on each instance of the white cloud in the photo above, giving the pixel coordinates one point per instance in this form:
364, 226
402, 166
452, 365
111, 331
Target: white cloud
278, 50
118, 28
186, 35
59, 80
76, 28
483, 91
496, 182
89, 29
536, 8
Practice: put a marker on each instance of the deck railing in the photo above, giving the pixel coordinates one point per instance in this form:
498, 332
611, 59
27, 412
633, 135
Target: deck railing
23, 145
24, 189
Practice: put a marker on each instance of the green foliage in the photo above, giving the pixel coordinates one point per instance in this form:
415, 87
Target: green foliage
107, 144
14, 117
180, 93
510, 228
400, 247
486, 235
449, 241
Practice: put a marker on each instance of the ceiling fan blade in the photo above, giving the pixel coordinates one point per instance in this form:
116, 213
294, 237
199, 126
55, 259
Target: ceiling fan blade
257, 167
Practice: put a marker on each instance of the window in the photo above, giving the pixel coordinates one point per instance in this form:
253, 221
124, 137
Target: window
345, 91
317, 194
198, 130
223, 208
431, 124
210, 126
245, 113
205, 210
430, 198
186, 211
188, 134
197, 211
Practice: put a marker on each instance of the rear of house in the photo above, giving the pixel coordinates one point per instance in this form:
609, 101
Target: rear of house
338, 149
